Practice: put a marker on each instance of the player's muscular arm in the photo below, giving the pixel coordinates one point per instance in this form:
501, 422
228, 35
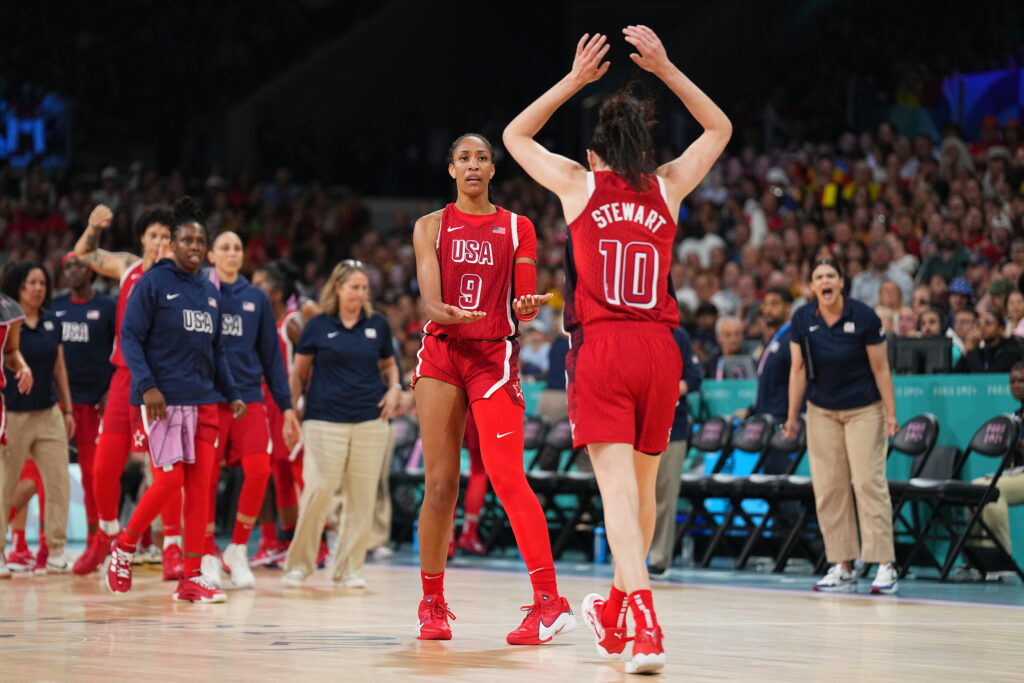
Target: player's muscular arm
106, 263
428, 274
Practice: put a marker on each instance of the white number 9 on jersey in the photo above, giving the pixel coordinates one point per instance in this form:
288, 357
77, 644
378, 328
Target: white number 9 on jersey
630, 272
469, 291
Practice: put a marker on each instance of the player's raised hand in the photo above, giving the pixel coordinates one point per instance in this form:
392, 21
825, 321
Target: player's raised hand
650, 54
459, 316
101, 216
527, 305
587, 66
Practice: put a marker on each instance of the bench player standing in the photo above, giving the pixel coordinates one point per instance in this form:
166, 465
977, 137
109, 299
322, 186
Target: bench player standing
87, 330
120, 433
476, 265
623, 366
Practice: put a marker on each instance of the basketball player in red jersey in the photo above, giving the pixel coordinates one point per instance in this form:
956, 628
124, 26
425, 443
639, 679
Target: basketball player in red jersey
477, 274
121, 428
623, 367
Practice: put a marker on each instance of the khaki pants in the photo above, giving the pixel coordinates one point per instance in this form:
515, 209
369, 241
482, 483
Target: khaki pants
349, 455
847, 457
380, 534
667, 496
38, 435
997, 515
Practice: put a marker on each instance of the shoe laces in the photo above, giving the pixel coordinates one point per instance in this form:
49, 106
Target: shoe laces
440, 610
122, 563
203, 582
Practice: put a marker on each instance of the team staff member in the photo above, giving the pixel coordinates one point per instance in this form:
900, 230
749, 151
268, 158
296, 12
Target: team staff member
11, 317
345, 426
249, 337
87, 330
773, 370
671, 466
119, 435
37, 427
171, 339
840, 362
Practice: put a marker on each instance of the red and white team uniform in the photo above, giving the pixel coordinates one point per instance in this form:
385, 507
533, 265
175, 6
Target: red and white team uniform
623, 366
477, 256
119, 417
280, 450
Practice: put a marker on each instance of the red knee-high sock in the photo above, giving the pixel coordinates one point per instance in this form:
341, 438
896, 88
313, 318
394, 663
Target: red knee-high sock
86, 463
614, 613
500, 424
642, 605
108, 466
197, 504
18, 540
257, 470
170, 515
209, 540
433, 584
166, 483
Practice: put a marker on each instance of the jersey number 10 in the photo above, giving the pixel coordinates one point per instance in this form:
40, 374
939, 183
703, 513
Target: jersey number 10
630, 272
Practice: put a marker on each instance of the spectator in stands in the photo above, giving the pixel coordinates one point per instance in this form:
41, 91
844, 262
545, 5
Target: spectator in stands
889, 294
961, 294
533, 352
705, 290
839, 360
671, 466
1015, 313
951, 259
705, 340
730, 362
921, 299
888, 318
906, 323
553, 403
998, 291
986, 349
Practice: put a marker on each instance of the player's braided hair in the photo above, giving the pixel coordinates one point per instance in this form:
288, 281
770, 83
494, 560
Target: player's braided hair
153, 214
284, 276
622, 137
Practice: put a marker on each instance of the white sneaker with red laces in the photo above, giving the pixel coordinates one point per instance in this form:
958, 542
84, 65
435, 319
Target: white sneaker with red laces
198, 589
609, 642
118, 576
545, 619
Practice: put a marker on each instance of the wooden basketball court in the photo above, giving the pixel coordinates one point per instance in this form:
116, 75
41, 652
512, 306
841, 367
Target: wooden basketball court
70, 628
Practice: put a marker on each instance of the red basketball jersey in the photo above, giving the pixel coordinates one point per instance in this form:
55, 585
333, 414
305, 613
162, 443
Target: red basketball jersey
128, 280
287, 348
618, 255
477, 255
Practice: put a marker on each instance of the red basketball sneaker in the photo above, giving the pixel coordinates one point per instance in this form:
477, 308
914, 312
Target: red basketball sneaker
610, 642
472, 544
95, 553
174, 562
21, 560
267, 553
119, 570
41, 557
434, 615
544, 620
198, 589
648, 653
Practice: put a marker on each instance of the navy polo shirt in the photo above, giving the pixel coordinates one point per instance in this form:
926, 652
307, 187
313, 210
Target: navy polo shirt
841, 376
39, 346
556, 363
346, 384
773, 375
692, 377
87, 331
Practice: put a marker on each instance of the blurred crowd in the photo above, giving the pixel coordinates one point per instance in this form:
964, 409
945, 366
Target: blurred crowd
923, 228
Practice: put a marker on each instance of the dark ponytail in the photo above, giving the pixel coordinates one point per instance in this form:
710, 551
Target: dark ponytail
622, 137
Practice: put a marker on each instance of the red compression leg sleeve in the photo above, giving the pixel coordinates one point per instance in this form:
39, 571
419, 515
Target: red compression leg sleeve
257, 471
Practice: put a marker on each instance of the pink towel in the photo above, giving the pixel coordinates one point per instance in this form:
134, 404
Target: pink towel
173, 440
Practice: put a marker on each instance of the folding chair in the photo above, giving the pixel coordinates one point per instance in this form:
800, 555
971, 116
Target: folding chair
712, 436
752, 436
997, 438
769, 537
915, 439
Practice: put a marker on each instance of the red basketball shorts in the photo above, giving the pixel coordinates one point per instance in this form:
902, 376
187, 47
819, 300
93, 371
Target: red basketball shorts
87, 423
249, 435
120, 417
275, 419
623, 384
480, 368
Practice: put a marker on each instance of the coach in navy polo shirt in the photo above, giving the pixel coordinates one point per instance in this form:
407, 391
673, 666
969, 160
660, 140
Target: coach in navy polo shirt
840, 362
347, 348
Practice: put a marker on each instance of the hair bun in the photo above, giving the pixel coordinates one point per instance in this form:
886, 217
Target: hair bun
187, 210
